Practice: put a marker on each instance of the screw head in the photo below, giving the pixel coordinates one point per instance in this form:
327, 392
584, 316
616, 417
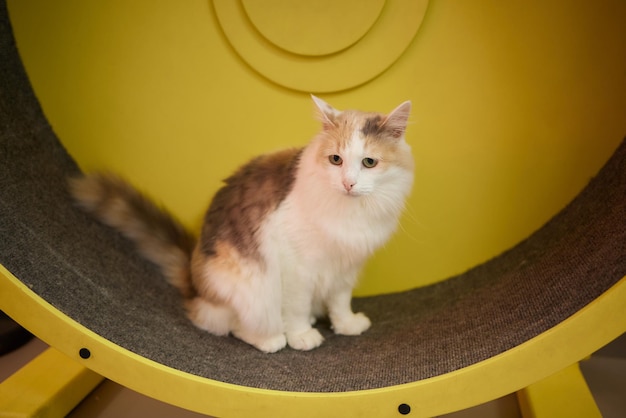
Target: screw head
84, 353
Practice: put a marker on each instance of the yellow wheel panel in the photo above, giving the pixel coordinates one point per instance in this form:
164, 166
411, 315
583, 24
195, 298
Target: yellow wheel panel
515, 106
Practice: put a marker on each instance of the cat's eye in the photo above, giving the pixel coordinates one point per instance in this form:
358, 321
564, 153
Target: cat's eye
335, 159
369, 162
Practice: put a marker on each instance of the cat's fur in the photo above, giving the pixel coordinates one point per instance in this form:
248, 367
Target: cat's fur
284, 239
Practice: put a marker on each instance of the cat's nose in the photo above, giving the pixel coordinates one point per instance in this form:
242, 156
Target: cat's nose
348, 185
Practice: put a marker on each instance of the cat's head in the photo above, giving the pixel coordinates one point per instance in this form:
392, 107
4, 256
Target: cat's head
364, 153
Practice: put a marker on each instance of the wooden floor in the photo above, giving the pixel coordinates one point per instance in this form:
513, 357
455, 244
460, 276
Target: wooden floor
605, 372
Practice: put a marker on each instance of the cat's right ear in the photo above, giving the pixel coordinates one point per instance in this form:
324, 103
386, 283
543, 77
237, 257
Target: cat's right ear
325, 112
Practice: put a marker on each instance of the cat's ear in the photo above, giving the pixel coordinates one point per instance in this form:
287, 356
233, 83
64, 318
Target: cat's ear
397, 119
325, 112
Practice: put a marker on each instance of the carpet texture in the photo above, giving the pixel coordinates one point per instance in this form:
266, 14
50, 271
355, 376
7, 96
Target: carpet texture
92, 274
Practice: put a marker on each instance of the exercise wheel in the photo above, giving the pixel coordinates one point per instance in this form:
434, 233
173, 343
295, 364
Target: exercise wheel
500, 277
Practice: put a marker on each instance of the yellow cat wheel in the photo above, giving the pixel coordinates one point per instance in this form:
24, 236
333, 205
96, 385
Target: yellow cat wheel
515, 108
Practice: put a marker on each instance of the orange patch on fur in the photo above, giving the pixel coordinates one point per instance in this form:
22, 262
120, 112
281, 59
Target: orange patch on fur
212, 275
391, 152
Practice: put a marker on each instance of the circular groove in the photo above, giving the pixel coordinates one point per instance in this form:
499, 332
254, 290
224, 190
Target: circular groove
376, 51
313, 28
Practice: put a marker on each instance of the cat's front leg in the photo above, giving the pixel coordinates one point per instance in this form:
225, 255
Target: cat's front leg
300, 334
297, 319
343, 320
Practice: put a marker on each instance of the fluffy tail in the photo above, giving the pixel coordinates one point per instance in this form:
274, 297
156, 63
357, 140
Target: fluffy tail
159, 237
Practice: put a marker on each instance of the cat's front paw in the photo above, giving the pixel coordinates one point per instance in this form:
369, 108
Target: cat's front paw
265, 344
272, 344
306, 340
352, 325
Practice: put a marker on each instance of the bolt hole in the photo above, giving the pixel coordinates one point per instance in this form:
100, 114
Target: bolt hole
404, 409
84, 353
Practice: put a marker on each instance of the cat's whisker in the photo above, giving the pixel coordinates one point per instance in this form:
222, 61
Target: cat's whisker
407, 232
409, 213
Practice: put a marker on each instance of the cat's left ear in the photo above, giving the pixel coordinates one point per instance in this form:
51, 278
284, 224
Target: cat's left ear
325, 112
397, 119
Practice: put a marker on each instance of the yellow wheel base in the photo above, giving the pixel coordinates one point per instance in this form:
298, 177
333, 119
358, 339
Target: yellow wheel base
564, 394
51, 385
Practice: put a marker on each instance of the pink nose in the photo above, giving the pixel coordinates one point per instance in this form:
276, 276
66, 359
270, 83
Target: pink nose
348, 185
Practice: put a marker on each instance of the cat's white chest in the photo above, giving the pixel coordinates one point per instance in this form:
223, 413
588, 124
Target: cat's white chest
313, 235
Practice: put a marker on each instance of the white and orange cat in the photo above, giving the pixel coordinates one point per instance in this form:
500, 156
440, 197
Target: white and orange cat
284, 239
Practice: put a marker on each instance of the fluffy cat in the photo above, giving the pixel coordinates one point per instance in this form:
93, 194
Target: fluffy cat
284, 239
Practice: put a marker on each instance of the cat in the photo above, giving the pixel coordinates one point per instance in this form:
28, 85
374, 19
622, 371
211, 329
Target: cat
283, 240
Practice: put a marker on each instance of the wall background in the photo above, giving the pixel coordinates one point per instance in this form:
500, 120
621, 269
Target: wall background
516, 105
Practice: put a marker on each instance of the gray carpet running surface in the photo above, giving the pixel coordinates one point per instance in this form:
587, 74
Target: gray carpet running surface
93, 275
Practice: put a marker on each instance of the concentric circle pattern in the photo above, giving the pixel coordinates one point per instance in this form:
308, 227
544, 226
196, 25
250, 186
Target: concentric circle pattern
315, 28
321, 46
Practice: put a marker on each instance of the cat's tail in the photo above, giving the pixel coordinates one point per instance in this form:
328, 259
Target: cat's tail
159, 237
